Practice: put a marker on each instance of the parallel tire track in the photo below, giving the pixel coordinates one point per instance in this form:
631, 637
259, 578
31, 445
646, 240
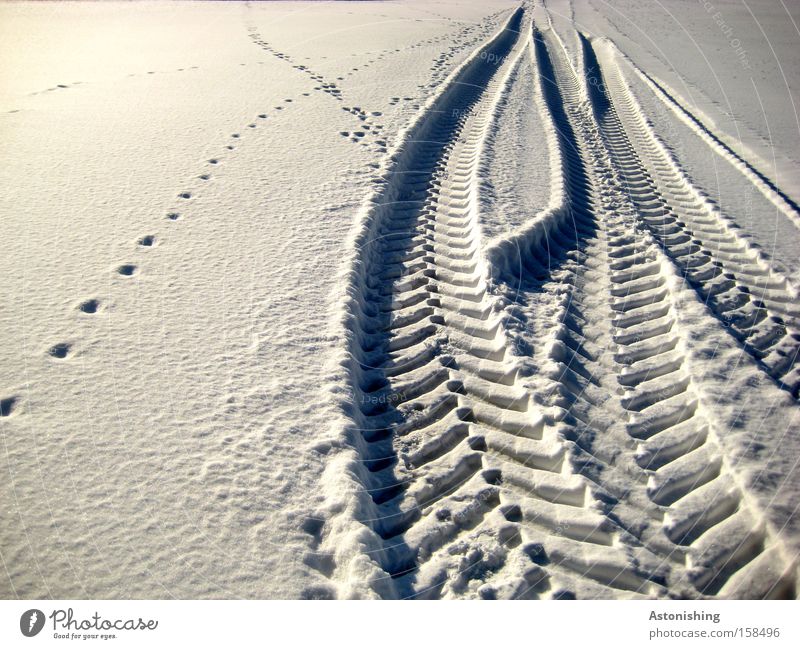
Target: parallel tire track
434, 380
469, 481
572, 459
755, 303
708, 524
766, 186
587, 552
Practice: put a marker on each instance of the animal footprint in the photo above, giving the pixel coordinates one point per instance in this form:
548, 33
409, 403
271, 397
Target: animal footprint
60, 350
7, 405
89, 306
147, 241
127, 270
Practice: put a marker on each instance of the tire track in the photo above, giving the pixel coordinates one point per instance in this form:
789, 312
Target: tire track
716, 540
581, 544
525, 420
458, 463
754, 302
433, 373
749, 170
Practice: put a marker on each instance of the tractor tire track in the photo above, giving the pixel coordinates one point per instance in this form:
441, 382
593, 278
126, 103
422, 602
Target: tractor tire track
713, 540
581, 547
467, 481
755, 303
749, 170
431, 350
525, 421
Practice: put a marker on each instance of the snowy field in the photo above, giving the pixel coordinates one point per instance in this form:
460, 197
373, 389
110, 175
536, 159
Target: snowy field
423, 299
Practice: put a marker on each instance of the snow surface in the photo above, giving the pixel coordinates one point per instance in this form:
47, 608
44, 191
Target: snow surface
195, 207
